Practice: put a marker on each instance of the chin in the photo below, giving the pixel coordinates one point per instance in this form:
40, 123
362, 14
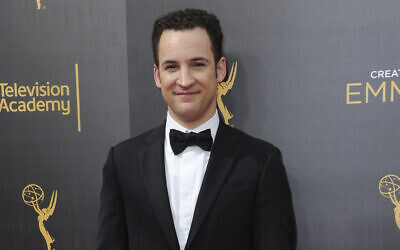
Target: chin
188, 115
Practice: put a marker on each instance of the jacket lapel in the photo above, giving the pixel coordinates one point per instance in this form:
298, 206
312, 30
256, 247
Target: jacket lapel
151, 160
221, 161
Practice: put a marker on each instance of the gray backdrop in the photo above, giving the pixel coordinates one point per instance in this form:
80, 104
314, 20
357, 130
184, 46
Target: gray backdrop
295, 60
45, 148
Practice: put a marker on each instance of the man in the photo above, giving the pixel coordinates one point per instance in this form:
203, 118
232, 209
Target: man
194, 183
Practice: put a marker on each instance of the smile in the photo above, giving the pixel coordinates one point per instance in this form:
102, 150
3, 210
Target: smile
187, 94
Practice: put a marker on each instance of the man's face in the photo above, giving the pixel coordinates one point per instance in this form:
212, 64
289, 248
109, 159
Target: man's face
187, 74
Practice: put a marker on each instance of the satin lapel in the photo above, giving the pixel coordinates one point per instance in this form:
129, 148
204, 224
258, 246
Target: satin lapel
152, 164
221, 161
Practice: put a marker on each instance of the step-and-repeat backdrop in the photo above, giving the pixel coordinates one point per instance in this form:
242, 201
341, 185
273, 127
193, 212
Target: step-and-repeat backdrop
320, 79
63, 103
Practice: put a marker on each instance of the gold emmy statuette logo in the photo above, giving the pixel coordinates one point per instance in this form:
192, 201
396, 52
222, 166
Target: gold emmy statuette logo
223, 88
389, 187
32, 195
39, 5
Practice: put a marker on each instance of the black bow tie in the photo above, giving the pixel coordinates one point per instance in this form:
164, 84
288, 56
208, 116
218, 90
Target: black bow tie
179, 140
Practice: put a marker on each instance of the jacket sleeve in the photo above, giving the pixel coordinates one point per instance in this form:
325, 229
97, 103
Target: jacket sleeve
274, 225
112, 232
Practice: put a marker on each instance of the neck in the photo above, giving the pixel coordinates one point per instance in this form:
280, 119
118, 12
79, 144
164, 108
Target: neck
192, 124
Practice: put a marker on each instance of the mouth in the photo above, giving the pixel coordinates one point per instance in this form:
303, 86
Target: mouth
187, 94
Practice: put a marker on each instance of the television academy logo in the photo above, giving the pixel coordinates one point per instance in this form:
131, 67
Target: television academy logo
40, 96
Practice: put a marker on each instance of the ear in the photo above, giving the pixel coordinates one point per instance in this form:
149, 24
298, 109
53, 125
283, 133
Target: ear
221, 69
156, 74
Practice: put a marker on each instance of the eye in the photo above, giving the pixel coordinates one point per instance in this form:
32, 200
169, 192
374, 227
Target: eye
170, 67
198, 64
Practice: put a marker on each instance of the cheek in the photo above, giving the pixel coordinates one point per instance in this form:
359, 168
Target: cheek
212, 88
167, 83
209, 82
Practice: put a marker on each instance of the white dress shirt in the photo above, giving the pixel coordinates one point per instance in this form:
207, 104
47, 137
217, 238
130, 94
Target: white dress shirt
184, 175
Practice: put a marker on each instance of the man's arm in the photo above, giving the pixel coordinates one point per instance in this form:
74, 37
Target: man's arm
274, 225
112, 234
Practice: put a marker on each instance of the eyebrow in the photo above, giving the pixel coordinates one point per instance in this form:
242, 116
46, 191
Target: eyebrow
168, 62
199, 58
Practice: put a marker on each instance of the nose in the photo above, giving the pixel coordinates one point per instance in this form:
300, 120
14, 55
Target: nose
185, 79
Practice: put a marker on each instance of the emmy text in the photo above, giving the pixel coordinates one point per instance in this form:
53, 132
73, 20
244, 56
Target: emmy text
358, 92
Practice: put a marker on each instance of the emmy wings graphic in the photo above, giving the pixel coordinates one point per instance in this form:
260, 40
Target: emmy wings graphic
32, 195
389, 187
223, 88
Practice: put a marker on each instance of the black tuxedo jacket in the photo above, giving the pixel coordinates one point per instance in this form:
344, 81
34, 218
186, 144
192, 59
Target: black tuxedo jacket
244, 201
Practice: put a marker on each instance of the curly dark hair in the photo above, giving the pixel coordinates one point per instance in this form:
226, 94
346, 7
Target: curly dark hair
188, 19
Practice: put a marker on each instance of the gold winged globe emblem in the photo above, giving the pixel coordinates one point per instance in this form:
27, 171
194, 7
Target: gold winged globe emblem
222, 89
389, 187
32, 195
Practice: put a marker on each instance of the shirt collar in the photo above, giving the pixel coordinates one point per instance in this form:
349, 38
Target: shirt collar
211, 124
